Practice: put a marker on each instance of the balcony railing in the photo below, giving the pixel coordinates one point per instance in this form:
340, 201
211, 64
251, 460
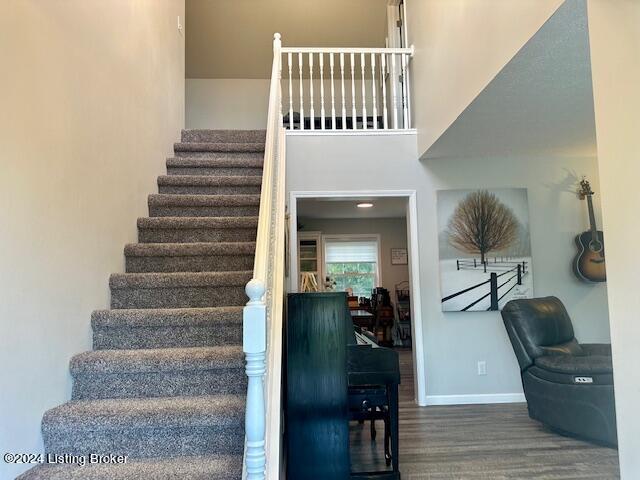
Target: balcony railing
346, 89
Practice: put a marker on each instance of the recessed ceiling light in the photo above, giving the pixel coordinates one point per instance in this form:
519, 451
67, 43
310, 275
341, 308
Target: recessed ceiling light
365, 205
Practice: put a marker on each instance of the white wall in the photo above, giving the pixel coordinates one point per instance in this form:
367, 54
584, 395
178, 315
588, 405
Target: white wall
454, 342
93, 97
243, 103
460, 46
615, 53
227, 103
393, 234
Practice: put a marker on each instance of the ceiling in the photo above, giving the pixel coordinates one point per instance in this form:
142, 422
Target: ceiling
540, 103
388, 207
233, 38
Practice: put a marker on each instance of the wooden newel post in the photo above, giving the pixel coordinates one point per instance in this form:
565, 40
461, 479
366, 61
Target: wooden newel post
254, 344
494, 291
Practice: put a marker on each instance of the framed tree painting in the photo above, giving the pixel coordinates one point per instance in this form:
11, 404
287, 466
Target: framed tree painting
484, 248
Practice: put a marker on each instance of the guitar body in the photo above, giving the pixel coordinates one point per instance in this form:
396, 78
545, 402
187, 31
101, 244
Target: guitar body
589, 264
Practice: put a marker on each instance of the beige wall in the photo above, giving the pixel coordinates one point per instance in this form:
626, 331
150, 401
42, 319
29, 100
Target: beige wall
227, 103
393, 234
460, 46
615, 52
92, 99
233, 38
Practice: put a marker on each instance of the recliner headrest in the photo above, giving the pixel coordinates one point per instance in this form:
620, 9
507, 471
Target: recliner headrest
533, 324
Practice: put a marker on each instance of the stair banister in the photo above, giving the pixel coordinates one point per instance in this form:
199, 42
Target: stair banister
262, 317
376, 78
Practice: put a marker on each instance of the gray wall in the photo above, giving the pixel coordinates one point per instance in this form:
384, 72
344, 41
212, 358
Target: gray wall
393, 234
454, 342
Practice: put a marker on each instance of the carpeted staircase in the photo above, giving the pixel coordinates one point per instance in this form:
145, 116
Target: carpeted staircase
165, 383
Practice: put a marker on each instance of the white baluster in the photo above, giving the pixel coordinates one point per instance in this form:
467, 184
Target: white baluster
373, 78
354, 113
312, 111
394, 95
280, 112
254, 342
383, 70
333, 95
322, 90
364, 92
300, 62
290, 62
405, 102
344, 108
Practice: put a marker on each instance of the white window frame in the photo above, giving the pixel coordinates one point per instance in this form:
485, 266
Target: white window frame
353, 238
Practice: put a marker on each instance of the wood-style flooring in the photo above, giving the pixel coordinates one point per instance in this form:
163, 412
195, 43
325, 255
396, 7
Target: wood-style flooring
478, 442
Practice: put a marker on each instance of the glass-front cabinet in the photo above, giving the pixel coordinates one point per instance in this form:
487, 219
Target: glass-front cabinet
310, 261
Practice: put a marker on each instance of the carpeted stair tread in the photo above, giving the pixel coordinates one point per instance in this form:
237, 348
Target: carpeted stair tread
165, 317
194, 229
158, 372
179, 279
169, 200
229, 136
209, 180
216, 164
198, 222
134, 413
203, 205
179, 290
166, 327
157, 360
237, 160
210, 184
210, 467
189, 249
219, 147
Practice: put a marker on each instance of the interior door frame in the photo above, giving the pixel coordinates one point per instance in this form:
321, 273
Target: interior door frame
420, 388
397, 37
394, 14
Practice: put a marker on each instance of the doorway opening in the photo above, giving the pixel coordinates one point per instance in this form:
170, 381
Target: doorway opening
364, 243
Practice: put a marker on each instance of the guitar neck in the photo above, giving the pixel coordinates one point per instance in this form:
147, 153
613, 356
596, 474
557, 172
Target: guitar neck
592, 217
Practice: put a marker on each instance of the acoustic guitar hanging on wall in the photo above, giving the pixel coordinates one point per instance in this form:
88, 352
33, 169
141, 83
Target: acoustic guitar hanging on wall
589, 264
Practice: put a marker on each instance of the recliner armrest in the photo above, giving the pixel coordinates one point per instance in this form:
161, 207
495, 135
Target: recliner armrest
596, 349
576, 364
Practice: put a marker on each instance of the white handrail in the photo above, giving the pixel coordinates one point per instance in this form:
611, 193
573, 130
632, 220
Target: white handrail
396, 51
262, 317
377, 80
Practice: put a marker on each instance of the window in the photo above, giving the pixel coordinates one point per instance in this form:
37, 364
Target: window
352, 263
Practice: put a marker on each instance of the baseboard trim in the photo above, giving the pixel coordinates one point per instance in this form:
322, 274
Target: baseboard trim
475, 399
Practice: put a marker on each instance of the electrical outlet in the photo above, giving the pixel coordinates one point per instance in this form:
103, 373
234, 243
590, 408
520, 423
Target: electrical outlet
482, 367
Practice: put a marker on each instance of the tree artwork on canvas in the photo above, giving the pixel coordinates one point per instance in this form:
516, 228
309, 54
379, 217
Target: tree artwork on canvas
485, 251
481, 223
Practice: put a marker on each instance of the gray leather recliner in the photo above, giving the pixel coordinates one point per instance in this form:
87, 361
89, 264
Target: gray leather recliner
568, 385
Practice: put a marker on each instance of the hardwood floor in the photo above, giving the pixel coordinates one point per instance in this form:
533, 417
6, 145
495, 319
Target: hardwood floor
478, 442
